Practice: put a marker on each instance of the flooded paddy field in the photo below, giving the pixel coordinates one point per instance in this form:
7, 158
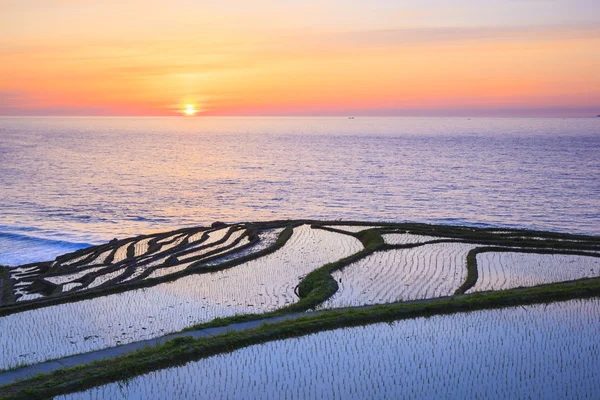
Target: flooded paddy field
504, 270
537, 352
145, 287
260, 285
402, 274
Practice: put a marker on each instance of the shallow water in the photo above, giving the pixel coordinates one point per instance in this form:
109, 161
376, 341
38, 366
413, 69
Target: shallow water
535, 352
422, 272
504, 270
68, 182
257, 286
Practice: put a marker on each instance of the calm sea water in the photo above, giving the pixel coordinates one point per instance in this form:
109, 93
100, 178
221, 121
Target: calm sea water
66, 183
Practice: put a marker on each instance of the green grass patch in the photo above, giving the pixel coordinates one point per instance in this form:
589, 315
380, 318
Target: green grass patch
371, 239
181, 350
472, 270
313, 290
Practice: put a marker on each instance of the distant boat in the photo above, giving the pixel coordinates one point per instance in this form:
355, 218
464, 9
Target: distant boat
598, 115
353, 117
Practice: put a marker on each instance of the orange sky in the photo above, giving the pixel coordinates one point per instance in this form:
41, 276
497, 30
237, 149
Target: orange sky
61, 57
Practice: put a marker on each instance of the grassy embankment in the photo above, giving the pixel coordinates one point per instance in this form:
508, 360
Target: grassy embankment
319, 285
315, 288
181, 350
489, 236
472, 270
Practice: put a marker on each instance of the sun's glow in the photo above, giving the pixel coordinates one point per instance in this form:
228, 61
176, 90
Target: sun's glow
189, 109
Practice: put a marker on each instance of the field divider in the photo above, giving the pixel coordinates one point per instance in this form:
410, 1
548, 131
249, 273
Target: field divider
6, 293
13, 308
315, 288
473, 272
177, 349
489, 236
319, 285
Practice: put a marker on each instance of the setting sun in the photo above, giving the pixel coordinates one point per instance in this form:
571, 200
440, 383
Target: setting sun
189, 110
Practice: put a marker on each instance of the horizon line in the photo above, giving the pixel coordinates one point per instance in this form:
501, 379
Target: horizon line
296, 116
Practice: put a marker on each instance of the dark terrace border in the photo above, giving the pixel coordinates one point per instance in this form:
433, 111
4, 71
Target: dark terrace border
6, 294
184, 349
473, 270
104, 290
318, 285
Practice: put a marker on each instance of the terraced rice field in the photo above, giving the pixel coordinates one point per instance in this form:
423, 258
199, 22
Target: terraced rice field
131, 259
268, 238
233, 238
538, 352
407, 238
257, 286
505, 270
427, 271
526, 351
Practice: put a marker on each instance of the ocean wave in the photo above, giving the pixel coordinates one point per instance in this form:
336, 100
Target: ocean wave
138, 218
17, 249
40, 240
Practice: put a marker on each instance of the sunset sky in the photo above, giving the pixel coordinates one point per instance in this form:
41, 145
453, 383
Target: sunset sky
300, 57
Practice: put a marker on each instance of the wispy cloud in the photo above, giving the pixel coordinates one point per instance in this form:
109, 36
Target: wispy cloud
173, 68
390, 37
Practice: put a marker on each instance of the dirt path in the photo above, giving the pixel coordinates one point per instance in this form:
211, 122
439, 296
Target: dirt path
13, 375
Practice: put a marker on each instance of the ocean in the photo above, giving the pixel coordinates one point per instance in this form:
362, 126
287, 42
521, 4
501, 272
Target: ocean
67, 183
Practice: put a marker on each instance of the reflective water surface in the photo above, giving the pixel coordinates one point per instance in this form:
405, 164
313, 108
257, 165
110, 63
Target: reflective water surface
535, 352
65, 182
